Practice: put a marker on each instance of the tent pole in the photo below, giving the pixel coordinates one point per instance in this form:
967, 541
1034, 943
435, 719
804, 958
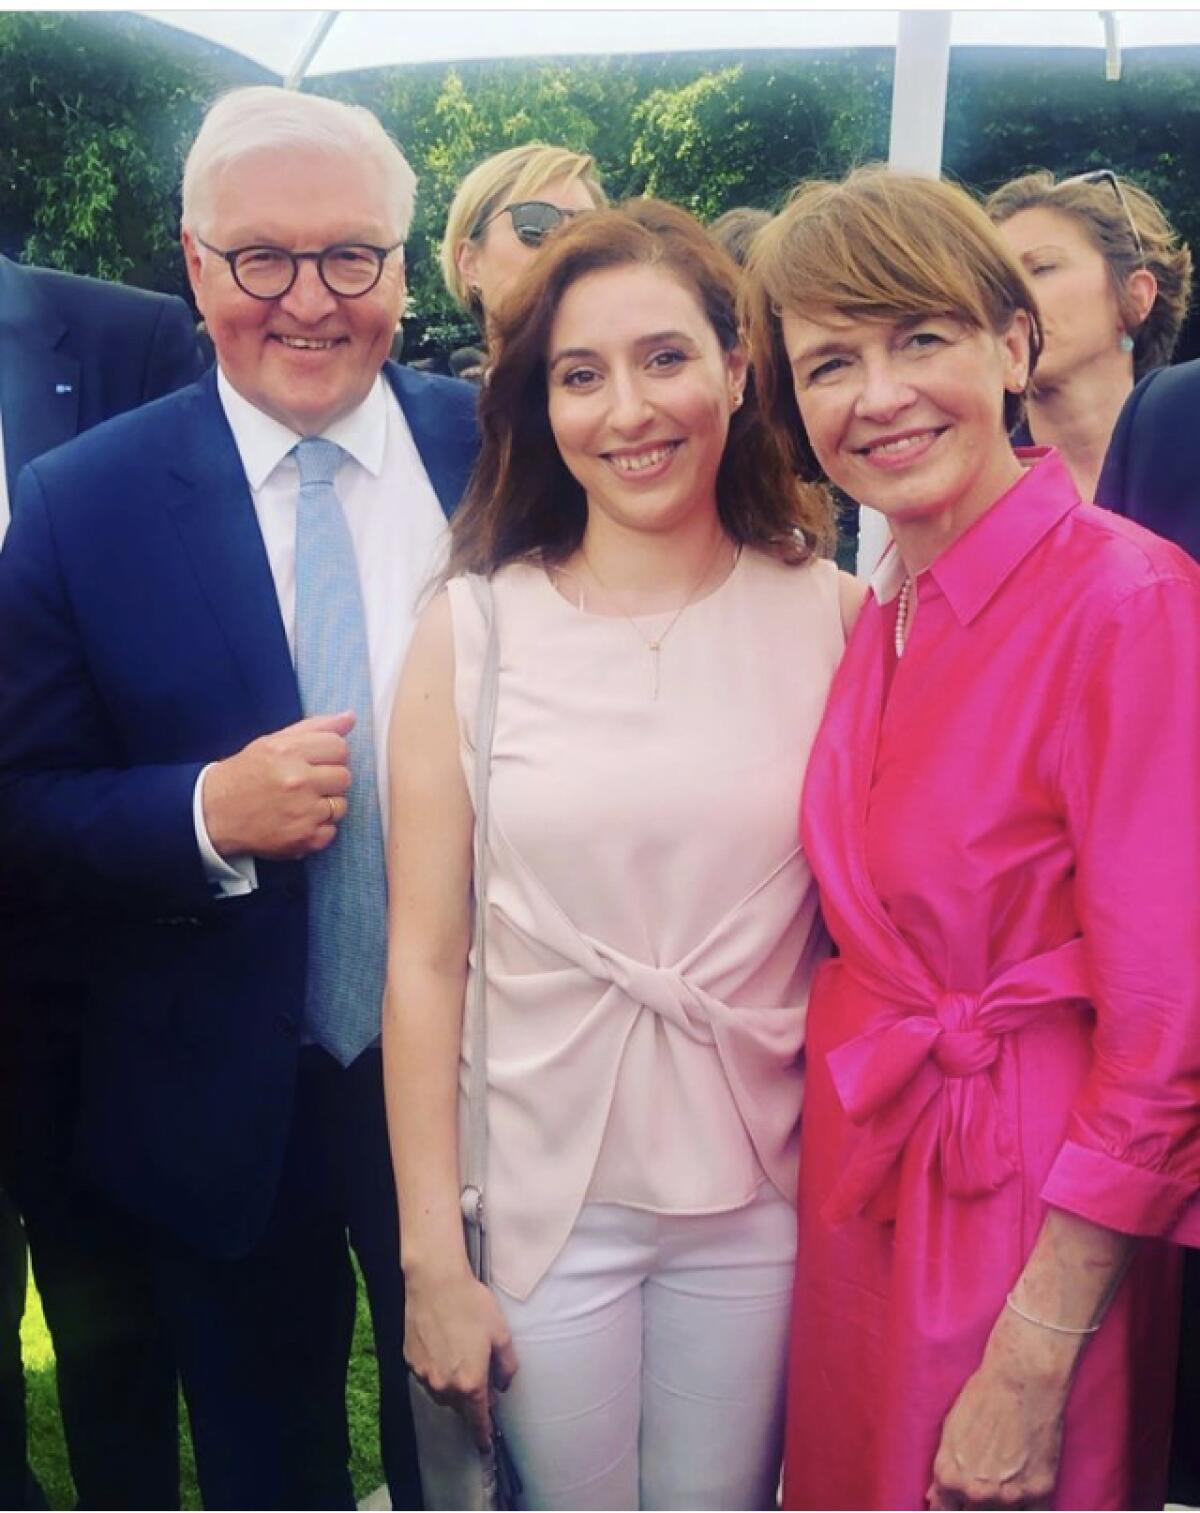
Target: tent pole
919, 92
1112, 47
918, 122
295, 74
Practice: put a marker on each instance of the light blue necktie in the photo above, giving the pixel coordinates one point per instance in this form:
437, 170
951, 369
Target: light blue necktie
347, 939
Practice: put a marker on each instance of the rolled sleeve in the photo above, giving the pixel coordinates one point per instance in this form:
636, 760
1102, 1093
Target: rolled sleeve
1128, 1198
1131, 783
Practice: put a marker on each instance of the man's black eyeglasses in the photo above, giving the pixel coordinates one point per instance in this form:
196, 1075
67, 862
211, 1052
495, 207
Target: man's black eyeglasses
1107, 176
349, 270
532, 220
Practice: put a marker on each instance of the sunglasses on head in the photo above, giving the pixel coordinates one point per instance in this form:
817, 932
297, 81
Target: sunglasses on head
532, 220
1107, 176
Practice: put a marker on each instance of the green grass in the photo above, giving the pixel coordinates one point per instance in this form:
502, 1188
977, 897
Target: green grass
48, 1452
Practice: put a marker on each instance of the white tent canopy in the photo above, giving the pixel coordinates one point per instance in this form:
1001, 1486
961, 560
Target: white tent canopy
278, 40
299, 44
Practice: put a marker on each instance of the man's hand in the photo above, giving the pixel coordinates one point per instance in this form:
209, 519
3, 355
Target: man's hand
282, 795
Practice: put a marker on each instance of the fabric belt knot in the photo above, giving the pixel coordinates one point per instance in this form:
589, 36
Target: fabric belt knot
962, 1052
347, 942
926, 1045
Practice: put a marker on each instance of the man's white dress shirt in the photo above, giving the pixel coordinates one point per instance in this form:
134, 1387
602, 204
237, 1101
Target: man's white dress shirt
399, 536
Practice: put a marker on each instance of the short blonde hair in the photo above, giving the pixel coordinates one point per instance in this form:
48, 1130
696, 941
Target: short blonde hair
515, 174
1108, 209
880, 245
267, 118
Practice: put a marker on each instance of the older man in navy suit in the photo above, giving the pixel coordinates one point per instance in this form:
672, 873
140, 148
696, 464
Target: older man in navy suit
73, 352
213, 598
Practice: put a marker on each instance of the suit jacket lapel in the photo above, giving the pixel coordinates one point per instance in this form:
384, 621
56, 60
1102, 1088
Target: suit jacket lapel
445, 449
215, 516
39, 385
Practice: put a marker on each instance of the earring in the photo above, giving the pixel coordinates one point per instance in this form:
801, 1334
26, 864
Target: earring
736, 399
1126, 342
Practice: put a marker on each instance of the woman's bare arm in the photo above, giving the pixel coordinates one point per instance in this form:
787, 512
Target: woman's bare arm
455, 1336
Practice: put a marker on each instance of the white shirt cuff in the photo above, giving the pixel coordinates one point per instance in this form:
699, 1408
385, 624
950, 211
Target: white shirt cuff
230, 878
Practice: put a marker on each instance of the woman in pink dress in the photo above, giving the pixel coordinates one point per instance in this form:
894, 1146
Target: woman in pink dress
1001, 1133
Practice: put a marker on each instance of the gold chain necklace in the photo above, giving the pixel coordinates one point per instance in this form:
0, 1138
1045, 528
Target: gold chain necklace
653, 644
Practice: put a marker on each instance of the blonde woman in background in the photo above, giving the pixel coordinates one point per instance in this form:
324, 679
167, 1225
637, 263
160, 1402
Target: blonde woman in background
503, 211
1112, 282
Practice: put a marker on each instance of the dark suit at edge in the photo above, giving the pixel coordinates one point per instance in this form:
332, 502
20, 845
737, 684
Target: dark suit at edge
74, 352
1151, 474
1151, 471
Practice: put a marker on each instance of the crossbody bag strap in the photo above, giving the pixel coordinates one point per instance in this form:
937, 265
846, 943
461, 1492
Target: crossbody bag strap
475, 1009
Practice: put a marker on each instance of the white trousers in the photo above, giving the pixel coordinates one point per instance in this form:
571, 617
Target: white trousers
652, 1358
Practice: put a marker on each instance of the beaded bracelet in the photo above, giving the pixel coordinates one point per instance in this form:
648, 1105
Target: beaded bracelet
1012, 1303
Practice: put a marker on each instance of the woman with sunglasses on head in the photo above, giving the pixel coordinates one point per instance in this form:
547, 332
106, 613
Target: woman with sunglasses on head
1001, 1125
667, 637
503, 211
1112, 282
1076, 239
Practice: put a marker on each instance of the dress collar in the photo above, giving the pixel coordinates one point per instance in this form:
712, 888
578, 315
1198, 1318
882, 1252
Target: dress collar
972, 571
889, 575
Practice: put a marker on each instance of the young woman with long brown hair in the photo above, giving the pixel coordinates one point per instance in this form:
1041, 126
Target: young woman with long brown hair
667, 637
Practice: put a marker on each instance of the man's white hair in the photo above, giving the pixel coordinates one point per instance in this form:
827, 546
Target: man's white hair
266, 118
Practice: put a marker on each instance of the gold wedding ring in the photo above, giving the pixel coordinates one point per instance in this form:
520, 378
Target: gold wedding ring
332, 810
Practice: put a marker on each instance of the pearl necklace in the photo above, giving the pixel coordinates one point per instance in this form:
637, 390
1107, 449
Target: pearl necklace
903, 615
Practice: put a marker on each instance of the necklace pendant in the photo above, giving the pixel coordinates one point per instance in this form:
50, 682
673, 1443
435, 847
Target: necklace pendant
653, 646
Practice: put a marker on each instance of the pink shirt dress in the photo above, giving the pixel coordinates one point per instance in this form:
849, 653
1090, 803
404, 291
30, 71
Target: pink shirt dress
1005, 825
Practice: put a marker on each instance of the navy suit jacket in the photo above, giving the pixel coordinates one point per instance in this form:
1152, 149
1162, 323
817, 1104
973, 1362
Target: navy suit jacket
140, 637
1152, 470
75, 351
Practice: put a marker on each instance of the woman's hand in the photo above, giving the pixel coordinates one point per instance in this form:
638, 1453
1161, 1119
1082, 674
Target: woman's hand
457, 1343
1001, 1440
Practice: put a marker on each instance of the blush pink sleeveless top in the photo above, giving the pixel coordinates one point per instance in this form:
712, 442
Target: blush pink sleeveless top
652, 922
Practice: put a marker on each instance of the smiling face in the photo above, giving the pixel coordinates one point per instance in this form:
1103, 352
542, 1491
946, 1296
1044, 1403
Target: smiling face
640, 395
495, 260
907, 415
1081, 321
310, 356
